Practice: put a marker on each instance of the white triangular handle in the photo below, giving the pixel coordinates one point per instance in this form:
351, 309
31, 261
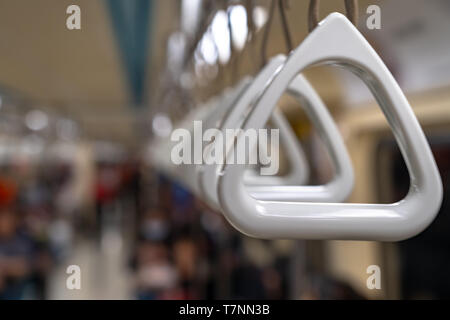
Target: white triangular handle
211, 116
337, 41
337, 190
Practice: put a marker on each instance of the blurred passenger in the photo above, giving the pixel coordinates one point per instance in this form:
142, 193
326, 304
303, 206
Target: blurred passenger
16, 253
156, 276
188, 264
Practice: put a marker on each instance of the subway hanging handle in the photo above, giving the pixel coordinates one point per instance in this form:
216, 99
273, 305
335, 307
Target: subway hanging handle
346, 221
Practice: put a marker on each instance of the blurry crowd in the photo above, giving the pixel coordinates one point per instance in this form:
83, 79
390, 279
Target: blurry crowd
184, 250
34, 232
175, 247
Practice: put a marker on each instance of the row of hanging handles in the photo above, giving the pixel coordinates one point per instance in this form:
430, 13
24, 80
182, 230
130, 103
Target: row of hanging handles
274, 207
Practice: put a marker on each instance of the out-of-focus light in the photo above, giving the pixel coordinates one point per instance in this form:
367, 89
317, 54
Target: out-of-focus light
161, 124
66, 129
190, 12
238, 19
176, 46
208, 49
221, 36
32, 145
259, 17
36, 120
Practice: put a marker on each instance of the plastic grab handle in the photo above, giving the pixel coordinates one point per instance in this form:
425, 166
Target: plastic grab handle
187, 173
299, 171
337, 41
337, 190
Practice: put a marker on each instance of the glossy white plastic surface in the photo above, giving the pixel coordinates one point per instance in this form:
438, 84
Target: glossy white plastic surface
337, 41
211, 117
341, 185
299, 165
298, 172
161, 156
